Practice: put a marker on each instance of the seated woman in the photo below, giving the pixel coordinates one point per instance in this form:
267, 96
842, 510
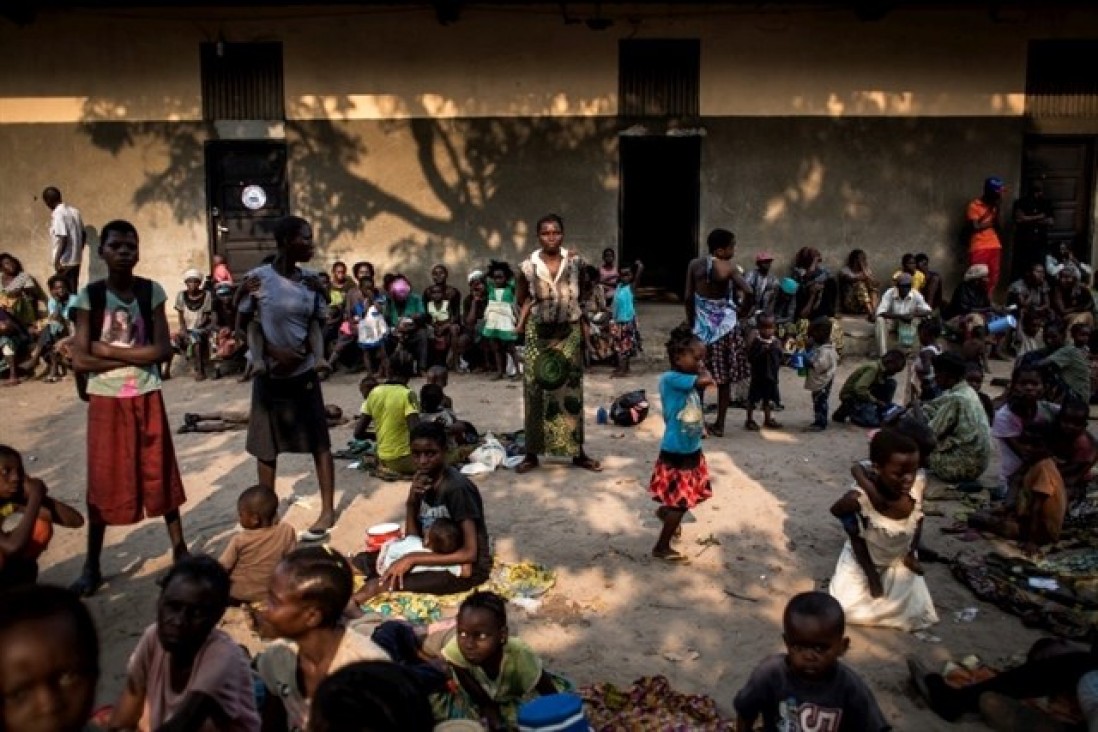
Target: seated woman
474, 349
306, 598
816, 296
1056, 458
15, 342
492, 672
437, 491
1062, 256
970, 305
20, 293
1072, 301
185, 673
959, 423
859, 291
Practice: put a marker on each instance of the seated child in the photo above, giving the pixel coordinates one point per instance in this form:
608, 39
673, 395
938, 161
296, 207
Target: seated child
974, 375
252, 555
878, 580
393, 408
185, 672
1069, 366
58, 327
221, 272
808, 687
974, 348
430, 406
492, 673
1029, 335
27, 515
194, 310
866, 396
49, 650
441, 376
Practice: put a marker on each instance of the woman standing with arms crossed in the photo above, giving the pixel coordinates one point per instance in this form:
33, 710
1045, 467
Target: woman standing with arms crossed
287, 414
549, 302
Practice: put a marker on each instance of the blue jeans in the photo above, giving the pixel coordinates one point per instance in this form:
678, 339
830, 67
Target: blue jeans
868, 414
819, 404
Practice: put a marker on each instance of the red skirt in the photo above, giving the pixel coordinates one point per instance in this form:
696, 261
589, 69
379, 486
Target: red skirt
680, 481
132, 470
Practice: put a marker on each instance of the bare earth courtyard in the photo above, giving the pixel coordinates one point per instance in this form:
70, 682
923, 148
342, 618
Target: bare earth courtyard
615, 614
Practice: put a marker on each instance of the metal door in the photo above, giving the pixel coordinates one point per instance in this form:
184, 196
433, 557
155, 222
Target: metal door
1066, 165
247, 193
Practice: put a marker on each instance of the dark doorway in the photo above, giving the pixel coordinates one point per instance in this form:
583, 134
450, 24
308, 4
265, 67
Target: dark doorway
1066, 167
660, 179
247, 193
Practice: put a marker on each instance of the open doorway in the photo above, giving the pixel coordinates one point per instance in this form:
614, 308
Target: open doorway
660, 198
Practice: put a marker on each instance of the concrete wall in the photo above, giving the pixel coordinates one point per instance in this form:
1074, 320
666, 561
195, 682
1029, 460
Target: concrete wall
411, 142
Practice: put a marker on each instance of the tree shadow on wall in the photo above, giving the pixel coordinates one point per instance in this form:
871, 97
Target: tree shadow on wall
475, 185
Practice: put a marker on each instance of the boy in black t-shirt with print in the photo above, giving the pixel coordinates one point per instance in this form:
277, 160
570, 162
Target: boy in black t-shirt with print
807, 688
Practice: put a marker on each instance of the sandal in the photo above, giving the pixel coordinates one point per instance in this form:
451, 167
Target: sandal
672, 557
714, 430
772, 424
587, 463
526, 465
314, 535
87, 584
751, 425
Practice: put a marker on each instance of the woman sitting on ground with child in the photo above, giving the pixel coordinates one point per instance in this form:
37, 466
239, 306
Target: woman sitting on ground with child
959, 423
878, 579
437, 491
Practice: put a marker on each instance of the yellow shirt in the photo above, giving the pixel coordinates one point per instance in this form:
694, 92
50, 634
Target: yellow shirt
389, 405
918, 280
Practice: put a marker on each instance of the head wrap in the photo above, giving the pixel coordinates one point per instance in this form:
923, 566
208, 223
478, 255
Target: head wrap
400, 288
976, 272
475, 275
192, 274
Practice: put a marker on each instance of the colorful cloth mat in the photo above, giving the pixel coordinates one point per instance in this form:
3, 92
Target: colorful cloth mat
525, 579
1068, 606
651, 705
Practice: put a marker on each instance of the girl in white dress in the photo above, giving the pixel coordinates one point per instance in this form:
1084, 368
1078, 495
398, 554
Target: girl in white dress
877, 579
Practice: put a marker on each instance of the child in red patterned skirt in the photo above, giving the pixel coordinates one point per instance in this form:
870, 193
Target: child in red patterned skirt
680, 478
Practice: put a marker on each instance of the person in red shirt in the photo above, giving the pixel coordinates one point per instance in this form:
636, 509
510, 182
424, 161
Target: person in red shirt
982, 218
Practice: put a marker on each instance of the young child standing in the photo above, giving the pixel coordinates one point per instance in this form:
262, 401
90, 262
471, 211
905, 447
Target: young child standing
27, 516
185, 672
499, 316
125, 406
493, 673
878, 580
823, 362
252, 555
680, 478
921, 381
808, 687
624, 334
194, 310
49, 661
372, 331
764, 353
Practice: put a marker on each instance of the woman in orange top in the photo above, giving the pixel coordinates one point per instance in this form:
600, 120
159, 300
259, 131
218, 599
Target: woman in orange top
984, 245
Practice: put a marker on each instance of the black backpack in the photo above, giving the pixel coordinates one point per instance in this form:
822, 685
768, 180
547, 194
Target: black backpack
630, 409
97, 301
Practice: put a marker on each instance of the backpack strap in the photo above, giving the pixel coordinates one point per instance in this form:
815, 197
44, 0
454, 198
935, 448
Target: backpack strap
97, 305
142, 290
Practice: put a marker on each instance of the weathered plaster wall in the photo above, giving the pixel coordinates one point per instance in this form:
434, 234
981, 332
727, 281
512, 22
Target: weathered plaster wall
411, 142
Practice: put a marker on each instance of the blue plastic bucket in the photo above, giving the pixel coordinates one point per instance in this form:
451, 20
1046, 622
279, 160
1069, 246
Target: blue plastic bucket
553, 713
1002, 324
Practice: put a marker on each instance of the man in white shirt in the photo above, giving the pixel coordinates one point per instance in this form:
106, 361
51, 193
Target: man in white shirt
66, 237
899, 305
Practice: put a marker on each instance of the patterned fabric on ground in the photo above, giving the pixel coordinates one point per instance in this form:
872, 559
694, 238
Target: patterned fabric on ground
650, 705
1069, 611
524, 579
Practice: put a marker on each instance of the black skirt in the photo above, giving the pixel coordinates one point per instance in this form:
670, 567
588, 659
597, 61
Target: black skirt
287, 416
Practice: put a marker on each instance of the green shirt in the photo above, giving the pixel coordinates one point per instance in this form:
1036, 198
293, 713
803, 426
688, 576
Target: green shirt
960, 424
413, 307
1074, 365
859, 383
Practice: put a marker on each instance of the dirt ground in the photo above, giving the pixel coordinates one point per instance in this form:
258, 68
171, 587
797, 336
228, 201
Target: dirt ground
614, 614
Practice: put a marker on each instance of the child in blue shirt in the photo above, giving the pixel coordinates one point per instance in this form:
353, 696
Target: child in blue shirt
680, 478
624, 336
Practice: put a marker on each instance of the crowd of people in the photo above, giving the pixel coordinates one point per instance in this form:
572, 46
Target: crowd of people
544, 321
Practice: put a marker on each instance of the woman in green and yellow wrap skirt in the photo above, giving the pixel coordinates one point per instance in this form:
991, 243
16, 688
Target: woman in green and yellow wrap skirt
550, 314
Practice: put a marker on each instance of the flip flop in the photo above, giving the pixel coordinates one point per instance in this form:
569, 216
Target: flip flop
672, 557
87, 584
314, 535
526, 466
587, 463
